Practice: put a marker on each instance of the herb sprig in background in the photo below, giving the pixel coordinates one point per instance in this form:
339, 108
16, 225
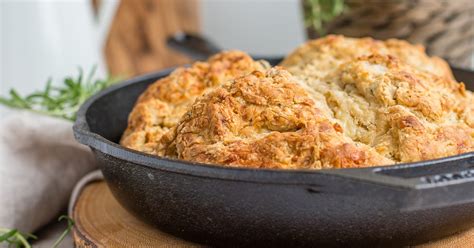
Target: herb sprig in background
319, 12
17, 239
59, 101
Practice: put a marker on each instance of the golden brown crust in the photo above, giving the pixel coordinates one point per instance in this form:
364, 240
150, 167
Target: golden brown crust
265, 121
406, 113
161, 106
326, 54
350, 103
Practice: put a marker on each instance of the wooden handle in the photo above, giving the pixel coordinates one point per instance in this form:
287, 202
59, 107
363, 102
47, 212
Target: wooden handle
136, 42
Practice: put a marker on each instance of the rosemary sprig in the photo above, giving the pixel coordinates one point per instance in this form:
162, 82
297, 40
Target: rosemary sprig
60, 101
70, 224
16, 239
319, 12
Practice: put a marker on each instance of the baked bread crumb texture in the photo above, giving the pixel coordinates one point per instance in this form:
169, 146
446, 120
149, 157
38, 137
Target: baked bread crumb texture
335, 102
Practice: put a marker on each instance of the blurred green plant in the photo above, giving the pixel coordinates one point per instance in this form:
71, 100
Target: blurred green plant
70, 224
16, 239
59, 101
319, 12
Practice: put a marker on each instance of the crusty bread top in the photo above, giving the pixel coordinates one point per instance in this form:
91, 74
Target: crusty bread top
347, 103
391, 102
326, 54
265, 120
161, 106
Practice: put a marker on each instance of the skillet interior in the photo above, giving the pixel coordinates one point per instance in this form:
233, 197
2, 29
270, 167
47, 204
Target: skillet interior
393, 205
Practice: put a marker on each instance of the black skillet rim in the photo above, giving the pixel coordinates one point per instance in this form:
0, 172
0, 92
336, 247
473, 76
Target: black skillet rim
275, 176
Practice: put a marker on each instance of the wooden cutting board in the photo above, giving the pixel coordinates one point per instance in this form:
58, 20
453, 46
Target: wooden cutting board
102, 222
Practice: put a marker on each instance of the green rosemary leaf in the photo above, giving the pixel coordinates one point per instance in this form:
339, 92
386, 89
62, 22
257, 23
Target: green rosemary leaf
15, 238
8, 235
6, 102
79, 78
62, 100
22, 241
18, 100
70, 224
319, 12
91, 75
70, 83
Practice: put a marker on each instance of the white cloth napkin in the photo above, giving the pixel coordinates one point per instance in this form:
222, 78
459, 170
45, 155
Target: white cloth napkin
40, 162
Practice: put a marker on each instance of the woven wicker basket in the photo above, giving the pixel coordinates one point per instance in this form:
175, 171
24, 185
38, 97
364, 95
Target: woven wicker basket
445, 27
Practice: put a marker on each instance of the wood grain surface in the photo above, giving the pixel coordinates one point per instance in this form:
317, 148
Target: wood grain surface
136, 42
102, 222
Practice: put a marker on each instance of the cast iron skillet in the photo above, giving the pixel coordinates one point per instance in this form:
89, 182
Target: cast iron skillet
381, 206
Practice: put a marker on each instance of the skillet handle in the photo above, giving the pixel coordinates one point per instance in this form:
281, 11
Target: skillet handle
194, 46
199, 48
426, 174
433, 174
429, 184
